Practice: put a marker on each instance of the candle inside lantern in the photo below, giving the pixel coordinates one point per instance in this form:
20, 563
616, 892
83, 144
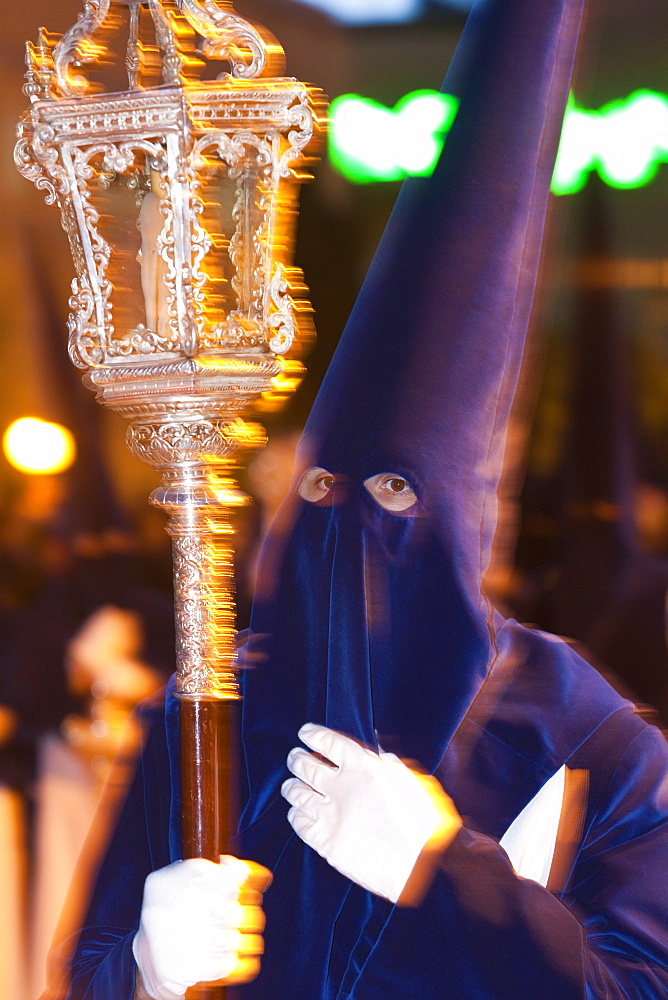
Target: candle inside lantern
153, 266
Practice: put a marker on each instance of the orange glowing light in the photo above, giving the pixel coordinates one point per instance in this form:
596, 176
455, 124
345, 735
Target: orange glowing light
37, 447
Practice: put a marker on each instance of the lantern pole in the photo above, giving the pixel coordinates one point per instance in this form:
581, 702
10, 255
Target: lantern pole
185, 301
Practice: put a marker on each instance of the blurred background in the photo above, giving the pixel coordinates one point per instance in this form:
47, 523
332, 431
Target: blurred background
85, 572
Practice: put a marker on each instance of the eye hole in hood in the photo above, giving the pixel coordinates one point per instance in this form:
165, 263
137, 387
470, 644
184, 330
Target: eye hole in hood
316, 485
391, 491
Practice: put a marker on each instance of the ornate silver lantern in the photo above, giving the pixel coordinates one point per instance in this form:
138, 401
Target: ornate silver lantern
179, 198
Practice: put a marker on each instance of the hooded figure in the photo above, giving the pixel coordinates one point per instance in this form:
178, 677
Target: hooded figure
370, 623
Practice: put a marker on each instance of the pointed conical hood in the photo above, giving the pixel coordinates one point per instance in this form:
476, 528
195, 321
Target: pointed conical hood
369, 616
426, 368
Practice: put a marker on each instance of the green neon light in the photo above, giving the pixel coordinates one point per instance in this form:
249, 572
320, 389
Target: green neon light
624, 142
369, 142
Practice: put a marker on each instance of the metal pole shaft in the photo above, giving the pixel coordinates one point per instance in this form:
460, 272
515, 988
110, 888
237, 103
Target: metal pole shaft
201, 533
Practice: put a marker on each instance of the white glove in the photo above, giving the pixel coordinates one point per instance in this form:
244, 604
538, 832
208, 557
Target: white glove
200, 922
368, 815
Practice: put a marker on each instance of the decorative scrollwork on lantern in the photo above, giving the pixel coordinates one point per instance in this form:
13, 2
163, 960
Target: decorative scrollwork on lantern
173, 442
77, 46
251, 52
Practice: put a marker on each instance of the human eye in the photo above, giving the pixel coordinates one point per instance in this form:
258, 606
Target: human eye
315, 484
391, 491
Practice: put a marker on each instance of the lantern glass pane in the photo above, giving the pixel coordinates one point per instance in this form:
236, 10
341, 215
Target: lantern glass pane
119, 200
217, 191
234, 218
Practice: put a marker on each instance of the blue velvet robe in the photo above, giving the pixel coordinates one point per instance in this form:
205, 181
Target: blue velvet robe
481, 932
